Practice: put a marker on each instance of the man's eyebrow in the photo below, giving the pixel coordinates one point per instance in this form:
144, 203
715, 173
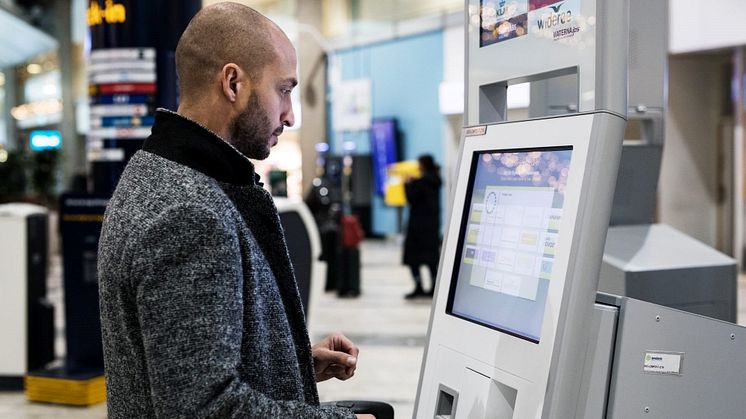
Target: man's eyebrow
292, 81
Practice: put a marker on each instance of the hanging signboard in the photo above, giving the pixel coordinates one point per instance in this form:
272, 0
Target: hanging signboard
352, 107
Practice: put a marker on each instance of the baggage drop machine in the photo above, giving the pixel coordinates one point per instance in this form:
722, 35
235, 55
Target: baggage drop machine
516, 329
642, 259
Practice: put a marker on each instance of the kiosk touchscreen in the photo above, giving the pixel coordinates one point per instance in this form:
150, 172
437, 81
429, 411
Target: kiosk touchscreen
507, 238
519, 268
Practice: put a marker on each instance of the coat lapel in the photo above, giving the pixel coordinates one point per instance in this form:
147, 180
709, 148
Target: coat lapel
258, 210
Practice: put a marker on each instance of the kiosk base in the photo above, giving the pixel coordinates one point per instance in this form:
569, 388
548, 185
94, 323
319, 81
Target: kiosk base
641, 359
669, 363
61, 386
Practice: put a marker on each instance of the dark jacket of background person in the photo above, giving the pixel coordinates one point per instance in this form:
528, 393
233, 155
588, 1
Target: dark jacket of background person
195, 278
422, 242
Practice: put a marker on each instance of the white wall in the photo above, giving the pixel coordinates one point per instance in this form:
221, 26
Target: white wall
705, 25
451, 91
452, 105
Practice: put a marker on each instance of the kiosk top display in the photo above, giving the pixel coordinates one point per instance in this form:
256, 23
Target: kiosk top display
517, 41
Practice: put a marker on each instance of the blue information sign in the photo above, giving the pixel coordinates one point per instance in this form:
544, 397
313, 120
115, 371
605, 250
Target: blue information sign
45, 140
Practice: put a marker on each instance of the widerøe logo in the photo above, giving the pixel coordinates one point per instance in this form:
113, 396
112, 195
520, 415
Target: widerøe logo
556, 18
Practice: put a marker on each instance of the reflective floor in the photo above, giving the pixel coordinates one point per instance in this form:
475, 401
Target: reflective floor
389, 331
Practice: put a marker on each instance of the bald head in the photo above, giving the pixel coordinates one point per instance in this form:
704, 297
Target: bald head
220, 34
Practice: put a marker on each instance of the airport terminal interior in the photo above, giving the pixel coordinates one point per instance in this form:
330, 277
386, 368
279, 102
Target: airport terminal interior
514, 208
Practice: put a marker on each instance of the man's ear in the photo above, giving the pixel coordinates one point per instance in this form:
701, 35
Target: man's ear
233, 80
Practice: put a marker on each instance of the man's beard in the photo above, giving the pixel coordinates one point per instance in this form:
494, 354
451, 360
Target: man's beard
251, 131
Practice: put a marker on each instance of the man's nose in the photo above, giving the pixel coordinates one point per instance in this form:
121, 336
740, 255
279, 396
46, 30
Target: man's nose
288, 118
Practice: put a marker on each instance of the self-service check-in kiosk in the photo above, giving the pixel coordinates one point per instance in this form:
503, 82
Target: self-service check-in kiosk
516, 329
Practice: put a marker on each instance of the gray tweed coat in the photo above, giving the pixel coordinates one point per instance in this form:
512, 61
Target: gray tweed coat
200, 312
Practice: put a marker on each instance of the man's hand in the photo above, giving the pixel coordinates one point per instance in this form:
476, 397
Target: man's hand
334, 356
365, 416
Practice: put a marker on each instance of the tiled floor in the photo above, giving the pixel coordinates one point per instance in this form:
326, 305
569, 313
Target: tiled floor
389, 331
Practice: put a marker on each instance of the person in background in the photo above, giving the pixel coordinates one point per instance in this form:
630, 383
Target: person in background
200, 311
422, 242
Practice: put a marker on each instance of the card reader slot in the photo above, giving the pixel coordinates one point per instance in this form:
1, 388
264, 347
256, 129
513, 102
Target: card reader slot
445, 406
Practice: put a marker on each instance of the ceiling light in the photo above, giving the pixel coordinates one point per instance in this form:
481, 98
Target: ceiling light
33, 68
44, 107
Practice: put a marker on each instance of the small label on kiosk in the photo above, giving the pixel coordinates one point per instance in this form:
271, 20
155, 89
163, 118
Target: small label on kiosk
662, 362
474, 131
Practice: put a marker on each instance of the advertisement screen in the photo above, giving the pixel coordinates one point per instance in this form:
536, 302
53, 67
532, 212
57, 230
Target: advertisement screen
502, 20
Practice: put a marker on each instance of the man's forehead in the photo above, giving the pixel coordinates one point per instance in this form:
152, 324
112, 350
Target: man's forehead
286, 52
277, 73
281, 42
283, 67
287, 64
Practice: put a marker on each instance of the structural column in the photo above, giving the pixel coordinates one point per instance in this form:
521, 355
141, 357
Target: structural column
72, 145
312, 72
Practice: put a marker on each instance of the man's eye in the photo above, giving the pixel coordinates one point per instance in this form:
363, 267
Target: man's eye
285, 92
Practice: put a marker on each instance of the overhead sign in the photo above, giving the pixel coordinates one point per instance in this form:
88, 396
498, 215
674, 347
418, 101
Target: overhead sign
352, 109
109, 13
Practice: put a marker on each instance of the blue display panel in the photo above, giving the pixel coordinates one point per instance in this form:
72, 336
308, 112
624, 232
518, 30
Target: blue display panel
384, 149
508, 239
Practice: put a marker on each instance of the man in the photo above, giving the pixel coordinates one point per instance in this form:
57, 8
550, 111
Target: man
200, 311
